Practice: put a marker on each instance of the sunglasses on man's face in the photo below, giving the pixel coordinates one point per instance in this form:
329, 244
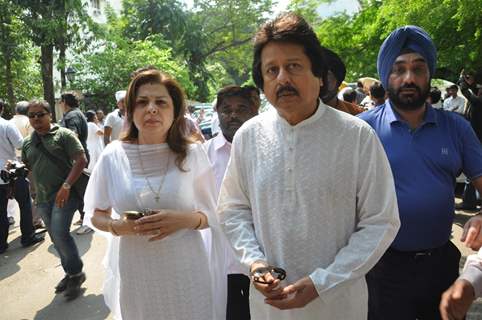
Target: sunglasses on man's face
32, 115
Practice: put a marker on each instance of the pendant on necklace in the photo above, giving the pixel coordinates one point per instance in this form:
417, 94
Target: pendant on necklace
157, 198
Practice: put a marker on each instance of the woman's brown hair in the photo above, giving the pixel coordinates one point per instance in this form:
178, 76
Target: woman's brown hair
176, 139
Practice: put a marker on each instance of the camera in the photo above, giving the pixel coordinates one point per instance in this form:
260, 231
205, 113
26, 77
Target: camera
17, 170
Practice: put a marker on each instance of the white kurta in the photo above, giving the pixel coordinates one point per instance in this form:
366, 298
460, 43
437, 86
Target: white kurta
174, 278
316, 199
95, 144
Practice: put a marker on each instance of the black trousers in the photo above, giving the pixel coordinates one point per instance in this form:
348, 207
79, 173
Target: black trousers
409, 285
22, 195
238, 297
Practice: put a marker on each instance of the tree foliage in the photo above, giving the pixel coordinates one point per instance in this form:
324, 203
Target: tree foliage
50, 24
455, 26
19, 77
107, 68
213, 34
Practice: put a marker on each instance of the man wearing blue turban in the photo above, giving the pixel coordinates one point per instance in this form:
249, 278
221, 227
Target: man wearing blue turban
427, 149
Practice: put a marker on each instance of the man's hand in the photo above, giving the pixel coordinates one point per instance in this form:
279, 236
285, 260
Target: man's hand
271, 290
296, 295
471, 236
456, 300
62, 197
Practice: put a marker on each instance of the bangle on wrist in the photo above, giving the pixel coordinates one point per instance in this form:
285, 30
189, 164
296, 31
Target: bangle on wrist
66, 185
199, 224
110, 227
201, 219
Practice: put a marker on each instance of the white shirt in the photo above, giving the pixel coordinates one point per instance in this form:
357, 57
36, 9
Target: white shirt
10, 139
218, 150
95, 144
454, 104
116, 122
473, 272
23, 124
317, 199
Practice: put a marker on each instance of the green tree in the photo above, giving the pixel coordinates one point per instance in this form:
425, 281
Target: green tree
213, 34
103, 72
455, 26
19, 79
48, 22
11, 34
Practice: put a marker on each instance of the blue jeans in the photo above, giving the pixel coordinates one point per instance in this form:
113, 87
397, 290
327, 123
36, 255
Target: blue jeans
58, 221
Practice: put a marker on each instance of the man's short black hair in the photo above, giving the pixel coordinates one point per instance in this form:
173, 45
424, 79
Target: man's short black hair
435, 95
90, 115
335, 65
245, 93
349, 95
70, 99
290, 28
377, 91
454, 87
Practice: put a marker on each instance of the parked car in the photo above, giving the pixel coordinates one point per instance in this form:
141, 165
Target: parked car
206, 109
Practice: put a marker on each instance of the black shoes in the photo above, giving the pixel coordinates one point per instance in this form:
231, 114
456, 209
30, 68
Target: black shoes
36, 238
3, 248
62, 285
74, 283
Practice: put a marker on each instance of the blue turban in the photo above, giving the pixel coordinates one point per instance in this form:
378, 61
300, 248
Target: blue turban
407, 37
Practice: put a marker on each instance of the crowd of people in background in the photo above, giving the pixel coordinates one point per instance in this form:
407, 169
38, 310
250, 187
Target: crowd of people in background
335, 203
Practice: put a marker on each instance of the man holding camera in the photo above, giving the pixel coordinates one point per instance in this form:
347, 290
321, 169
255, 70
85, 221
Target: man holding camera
56, 158
14, 185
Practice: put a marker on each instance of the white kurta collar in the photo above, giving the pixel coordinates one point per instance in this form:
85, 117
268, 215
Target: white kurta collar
220, 141
320, 110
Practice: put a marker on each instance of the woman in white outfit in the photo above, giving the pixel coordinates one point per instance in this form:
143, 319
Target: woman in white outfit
158, 267
95, 144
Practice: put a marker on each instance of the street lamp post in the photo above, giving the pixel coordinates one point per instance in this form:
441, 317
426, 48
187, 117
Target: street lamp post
70, 74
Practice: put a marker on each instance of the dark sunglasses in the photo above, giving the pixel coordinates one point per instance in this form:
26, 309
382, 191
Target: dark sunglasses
32, 115
259, 273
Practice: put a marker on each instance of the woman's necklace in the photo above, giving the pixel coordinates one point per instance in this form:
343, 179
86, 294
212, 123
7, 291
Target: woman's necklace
157, 193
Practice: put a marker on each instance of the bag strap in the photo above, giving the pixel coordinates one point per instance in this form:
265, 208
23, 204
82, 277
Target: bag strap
51, 156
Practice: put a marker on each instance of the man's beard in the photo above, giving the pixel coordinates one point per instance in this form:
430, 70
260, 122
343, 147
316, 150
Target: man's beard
409, 102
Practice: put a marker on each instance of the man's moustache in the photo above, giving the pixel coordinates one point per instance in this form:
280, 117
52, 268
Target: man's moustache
410, 86
235, 122
286, 89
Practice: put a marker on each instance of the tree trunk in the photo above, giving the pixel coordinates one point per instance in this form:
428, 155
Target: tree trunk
46, 62
6, 48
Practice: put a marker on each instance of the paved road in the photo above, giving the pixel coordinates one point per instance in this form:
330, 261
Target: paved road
28, 277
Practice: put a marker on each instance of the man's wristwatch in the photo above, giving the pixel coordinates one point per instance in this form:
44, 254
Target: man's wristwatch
66, 185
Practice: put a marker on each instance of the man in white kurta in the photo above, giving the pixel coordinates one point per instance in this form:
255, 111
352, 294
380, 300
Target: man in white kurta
308, 189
